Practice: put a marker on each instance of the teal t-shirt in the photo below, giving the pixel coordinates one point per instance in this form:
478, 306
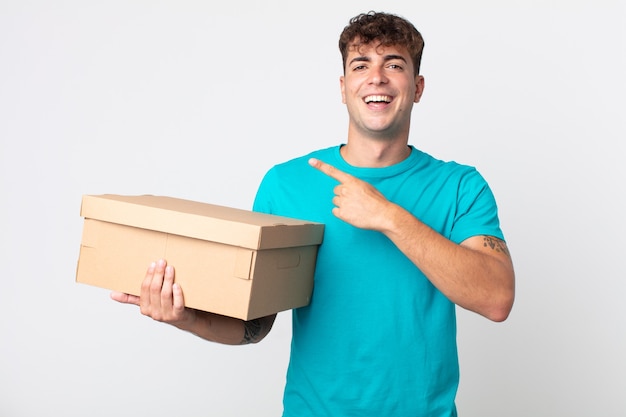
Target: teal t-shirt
378, 339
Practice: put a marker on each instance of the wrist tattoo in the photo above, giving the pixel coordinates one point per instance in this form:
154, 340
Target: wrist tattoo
496, 244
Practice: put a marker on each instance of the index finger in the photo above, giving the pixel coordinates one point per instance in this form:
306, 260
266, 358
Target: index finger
330, 170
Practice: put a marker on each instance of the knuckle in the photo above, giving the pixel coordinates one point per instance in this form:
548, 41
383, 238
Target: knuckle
145, 284
155, 287
145, 310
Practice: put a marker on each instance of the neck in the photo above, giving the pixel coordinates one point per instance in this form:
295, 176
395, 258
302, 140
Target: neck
375, 153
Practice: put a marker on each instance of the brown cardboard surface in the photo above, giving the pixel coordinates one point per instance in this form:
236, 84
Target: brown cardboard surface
228, 261
201, 220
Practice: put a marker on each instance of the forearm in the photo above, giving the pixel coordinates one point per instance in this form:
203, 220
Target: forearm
468, 274
474, 275
227, 330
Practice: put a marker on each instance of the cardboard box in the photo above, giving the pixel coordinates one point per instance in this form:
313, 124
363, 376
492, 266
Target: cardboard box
228, 261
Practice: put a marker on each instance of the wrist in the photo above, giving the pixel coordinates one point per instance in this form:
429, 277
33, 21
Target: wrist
394, 219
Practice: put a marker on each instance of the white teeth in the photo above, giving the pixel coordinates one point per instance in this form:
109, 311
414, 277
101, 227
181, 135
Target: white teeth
384, 99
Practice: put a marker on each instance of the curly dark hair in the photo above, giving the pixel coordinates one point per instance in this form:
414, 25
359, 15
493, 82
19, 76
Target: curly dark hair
386, 28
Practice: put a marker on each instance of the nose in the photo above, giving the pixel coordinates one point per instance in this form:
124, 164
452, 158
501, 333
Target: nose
377, 76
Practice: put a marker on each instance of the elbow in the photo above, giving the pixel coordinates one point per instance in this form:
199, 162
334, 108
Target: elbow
500, 309
502, 299
255, 330
499, 315
494, 308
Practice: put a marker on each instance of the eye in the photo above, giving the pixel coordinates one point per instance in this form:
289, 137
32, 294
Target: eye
359, 68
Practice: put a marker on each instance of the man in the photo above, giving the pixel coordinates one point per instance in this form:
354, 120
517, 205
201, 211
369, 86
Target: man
407, 238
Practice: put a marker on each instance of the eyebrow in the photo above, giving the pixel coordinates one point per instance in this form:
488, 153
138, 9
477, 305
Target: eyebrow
386, 58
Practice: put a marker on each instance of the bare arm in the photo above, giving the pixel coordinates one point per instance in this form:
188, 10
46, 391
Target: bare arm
476, 275
162, 300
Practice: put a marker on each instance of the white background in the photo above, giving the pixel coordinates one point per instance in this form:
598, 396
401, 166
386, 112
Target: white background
197, 100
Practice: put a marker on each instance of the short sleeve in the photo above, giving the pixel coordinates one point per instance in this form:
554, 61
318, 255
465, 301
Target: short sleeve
477, 211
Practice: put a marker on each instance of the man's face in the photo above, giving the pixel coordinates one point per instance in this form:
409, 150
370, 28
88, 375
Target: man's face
379, 88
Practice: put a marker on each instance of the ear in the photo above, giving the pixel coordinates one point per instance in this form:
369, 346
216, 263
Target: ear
343, 89
419, 88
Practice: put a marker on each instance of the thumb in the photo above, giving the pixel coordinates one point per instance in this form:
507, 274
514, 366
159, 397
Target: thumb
124, 298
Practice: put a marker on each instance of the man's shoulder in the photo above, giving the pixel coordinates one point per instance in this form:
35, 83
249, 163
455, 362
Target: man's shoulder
297, 165
297, 169
287, 185
439, 166
319, 153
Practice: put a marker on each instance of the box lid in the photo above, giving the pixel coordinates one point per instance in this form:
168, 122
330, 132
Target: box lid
205, 221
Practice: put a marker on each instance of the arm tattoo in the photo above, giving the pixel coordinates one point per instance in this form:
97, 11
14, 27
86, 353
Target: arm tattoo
496, 244
252, 331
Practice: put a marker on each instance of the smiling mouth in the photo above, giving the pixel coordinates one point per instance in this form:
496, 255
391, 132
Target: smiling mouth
378, 99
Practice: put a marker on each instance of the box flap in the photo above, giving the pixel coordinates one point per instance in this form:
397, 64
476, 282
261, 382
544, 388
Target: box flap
202, 221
